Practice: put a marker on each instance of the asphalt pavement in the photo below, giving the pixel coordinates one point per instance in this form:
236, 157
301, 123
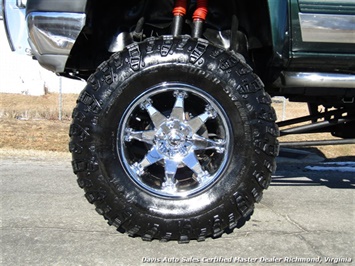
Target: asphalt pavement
306, 217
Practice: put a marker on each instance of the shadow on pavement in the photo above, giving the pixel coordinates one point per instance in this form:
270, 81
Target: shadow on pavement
312, 179
310, 168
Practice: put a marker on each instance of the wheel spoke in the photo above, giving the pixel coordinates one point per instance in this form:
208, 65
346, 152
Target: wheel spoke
178, 111
192, 162
201, 143
143, 136
170, 171
152, 157
196, 122
156, 117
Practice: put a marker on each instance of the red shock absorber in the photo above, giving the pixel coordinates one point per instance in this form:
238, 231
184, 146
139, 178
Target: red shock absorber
180, 8
179, 12
199, 18
201, 10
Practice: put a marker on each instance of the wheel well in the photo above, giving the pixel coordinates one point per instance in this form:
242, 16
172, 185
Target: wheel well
106, 19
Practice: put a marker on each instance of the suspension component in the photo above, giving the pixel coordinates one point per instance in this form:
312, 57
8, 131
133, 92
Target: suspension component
179, 12
199, 18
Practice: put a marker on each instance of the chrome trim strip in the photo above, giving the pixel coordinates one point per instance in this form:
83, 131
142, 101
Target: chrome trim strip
327, 28
315, 80
327, 6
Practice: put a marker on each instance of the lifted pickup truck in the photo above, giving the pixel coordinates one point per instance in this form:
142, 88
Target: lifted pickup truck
174, 136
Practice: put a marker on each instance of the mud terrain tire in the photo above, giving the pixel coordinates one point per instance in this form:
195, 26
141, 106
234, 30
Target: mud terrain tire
174, 139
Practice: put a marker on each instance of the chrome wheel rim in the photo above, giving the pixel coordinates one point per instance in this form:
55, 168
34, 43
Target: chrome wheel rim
174, 140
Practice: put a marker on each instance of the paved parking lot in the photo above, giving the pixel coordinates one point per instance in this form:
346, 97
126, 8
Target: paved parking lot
305, 217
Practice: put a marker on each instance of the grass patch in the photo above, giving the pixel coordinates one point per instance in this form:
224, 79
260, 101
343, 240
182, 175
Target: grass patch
25, 107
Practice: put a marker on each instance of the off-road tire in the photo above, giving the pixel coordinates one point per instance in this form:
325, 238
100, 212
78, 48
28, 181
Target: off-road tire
155, 73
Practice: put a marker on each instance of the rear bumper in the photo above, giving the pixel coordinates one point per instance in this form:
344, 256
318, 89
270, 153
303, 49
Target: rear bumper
52, 36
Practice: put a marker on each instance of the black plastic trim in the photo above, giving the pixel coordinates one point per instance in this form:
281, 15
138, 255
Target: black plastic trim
74, 6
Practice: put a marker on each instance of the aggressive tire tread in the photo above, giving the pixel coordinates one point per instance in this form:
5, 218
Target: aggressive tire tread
90, 148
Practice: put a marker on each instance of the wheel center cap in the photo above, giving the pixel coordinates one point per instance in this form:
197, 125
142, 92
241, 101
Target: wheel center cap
172, 138
175, 139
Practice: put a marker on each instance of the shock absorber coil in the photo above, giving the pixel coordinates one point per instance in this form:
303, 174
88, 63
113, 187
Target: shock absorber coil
199, 17
179, 12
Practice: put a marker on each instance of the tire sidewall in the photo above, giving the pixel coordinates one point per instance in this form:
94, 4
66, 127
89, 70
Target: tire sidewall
125, 192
